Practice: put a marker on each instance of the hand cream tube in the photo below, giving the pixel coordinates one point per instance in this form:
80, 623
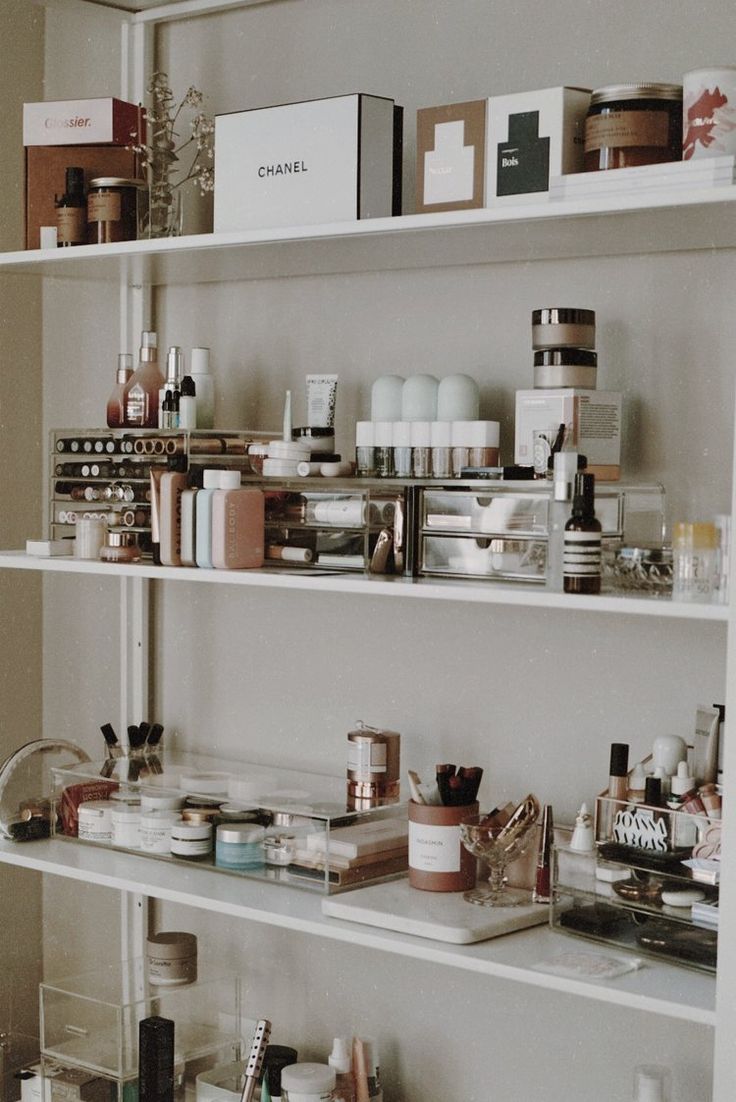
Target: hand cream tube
155, 474
707, 721
321, 395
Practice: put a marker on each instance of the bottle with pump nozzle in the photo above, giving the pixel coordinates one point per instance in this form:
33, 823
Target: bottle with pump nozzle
71, 211
141, 405
582, 547
116, 401
341, 1060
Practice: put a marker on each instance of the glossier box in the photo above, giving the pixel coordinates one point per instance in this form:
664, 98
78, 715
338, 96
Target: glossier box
324, 160
451, 143
46, 167
104, 121
531, 136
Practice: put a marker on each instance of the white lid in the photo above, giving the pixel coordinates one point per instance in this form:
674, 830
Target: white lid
149, 339
682, 782
364, 434
441, 434
308, 1078
194, 831
421, 434
281, 468
200, 361
462, 432
211, 479
565, 468
288, 449
206, 783
638, 778
252, 786
96, 807
484, 434
383, 433
341, 1056
240, 833
126, 814
402, 434
229, 480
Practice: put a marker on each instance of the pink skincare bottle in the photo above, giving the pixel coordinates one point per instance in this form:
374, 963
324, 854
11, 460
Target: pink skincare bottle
172, 487
237, 525
116, 403
141, 402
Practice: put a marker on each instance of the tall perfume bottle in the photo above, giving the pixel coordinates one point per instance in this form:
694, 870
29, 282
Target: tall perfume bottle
141, 404
116, 401
582, 551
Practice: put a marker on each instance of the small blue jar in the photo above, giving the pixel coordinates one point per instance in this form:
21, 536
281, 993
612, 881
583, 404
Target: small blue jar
239, 846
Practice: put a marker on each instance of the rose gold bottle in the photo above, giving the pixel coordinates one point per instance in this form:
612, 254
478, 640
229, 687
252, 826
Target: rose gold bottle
141, 402
116, 401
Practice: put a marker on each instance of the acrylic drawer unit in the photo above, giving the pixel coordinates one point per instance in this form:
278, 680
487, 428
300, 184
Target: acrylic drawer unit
233, 818
500, 531
89, 1023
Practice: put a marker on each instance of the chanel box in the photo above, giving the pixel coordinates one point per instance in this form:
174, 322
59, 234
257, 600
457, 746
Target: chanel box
451, 143
105, 121
326, 160
530, 137
593, 420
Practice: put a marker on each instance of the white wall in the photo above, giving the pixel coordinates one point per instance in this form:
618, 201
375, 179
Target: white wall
535, 698
21, 74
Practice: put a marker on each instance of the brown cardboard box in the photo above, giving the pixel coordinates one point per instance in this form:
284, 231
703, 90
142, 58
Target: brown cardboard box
46, 167
451, 149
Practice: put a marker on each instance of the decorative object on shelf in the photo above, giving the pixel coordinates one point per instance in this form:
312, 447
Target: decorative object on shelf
633, 124
161, 156
709, 112
498, 840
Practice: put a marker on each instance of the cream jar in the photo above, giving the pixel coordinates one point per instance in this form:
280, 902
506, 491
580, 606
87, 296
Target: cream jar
192, 841
564, 367
126, 827
160, 802
563, 327
172, 958
155, 830
95, 821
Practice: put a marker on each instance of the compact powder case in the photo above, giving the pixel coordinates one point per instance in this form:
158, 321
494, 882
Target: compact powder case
565, 367
563, 327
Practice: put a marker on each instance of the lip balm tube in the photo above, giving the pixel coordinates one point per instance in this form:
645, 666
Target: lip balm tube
421, 449
384, 452
441, 438
401, 437
365, 452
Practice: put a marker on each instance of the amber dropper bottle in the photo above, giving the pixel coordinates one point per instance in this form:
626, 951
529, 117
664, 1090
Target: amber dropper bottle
582, 549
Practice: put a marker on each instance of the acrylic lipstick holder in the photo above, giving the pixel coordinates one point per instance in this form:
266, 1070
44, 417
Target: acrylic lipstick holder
89, 1023
649, 844
500, 531
304, 807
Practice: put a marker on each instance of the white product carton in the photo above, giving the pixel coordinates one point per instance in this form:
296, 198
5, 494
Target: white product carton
593, 419
326, 160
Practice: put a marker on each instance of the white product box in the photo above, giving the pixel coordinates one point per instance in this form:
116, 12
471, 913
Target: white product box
326, 160
593, 418
105, 121
530, 137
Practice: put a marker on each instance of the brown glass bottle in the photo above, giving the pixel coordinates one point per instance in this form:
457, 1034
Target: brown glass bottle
71, 210
116, 401
582, 549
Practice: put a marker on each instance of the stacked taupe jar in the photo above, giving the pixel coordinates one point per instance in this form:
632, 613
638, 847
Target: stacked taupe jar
563, 339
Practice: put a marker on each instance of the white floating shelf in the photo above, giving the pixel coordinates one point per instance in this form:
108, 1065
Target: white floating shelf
671, 221
657, 988
423, 589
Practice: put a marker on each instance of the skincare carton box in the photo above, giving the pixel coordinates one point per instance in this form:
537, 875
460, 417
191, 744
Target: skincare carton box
106, 121
530, 137
46, 167
326, 160
593, 418
451, 143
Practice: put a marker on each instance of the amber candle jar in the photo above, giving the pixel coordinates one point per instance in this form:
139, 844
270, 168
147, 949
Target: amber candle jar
112, 209
633, 124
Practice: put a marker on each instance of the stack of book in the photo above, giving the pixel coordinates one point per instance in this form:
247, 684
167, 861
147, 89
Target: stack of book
355, 854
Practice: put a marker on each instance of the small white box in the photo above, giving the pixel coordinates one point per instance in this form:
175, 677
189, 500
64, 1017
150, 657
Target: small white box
326, 160
531, 136
593, 419
105, 121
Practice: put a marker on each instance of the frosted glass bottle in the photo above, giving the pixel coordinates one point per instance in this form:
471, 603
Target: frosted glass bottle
204, 385
386, 398
458, 399
203, 522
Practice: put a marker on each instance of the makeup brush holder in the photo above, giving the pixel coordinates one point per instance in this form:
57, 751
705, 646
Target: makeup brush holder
438, 861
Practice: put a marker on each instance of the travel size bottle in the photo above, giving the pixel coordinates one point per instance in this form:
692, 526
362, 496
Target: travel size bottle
71, 211
188, 404
199, 369
141, 405
582, 549
174, 372
116, 401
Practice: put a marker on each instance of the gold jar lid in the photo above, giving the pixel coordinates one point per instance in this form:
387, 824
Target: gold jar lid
614, 92
116, 181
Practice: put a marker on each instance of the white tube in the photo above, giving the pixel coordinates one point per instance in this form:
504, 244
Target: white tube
321, 395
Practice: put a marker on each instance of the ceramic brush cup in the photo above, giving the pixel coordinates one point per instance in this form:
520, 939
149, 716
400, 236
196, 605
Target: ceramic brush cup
438, 861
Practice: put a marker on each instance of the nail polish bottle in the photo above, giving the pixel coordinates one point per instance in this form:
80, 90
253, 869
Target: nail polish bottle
116, 401
365, 450
582, 546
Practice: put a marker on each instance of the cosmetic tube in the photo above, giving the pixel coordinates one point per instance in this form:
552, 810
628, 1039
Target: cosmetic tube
401, 441
199, 369
173, 484
188, 528
542, 886
618, 780
707, 722
155, 476
321, 396
441, 439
